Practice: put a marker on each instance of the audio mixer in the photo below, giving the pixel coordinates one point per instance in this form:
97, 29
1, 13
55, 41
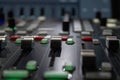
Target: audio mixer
59, 49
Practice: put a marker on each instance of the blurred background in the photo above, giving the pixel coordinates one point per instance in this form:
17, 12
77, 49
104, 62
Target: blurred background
57, 8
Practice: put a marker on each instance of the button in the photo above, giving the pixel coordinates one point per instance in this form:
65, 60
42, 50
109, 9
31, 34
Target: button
15, 74
64, 38
98, 75
112, 20
21, 32
70, 41
64, 33
13, 38
85, 33
38, 38
56, 38
28, 37
111, 25
2, 32
69, 67
14, 28
107, 32
13, 79
31, 65
96, 20
47, 37
106, 67
44, 41
18, 41
8, 29
44, 33
42, 18
96, 41
87, 38
54, 75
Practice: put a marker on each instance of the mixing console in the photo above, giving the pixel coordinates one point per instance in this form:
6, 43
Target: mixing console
51, 49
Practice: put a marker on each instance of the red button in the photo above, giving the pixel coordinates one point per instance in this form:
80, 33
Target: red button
13, 38
87, 38
64, 38
38, 38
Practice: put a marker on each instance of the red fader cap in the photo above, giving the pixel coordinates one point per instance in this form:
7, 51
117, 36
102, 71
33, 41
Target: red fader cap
13, 38
64, 38
87, 38
38, 38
